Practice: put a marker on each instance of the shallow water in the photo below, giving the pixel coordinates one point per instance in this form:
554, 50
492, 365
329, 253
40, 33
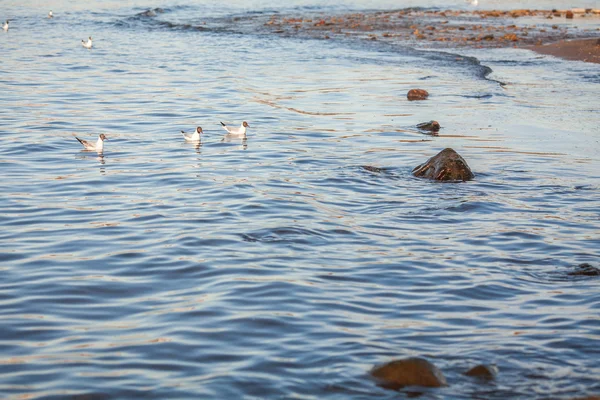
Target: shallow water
277, 267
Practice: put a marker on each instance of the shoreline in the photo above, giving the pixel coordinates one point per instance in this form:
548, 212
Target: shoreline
548, 32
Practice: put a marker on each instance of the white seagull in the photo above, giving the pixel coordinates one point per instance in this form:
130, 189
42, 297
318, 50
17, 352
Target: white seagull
50, 15
241, 131
5, 26
88, 44
193, 137
98, 146
473, 2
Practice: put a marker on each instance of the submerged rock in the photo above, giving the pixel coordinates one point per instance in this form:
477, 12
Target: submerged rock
151, 12
412, 371
431, 126
417, 94
585, 269
147, 13
372, 169
447, 165
483, 371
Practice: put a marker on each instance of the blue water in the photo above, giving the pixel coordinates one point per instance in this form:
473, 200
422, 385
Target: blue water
276, 266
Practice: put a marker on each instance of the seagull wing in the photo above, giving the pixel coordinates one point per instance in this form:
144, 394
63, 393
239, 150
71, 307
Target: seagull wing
86, 144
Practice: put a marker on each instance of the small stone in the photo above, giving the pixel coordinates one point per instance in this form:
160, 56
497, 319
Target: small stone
412, 371
483, 371
588, 398
569, 14
431, 126
585, 269
447, 165
417, 94
372, 169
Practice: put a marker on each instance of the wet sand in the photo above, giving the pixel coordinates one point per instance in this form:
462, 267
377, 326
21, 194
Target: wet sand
551, 32
587, 50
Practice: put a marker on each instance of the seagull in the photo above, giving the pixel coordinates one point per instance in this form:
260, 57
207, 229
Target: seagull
194, 137
50, 15
98, 146
473, 2
5, 26
88, 44
241, 131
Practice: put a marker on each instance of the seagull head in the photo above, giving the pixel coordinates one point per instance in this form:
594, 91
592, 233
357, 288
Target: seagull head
245, 124
199, 130
102, 137
90, 38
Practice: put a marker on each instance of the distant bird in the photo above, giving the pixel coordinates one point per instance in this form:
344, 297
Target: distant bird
473, 2
98, 146
88, 44
193, 137
241, 131
5, 26
50, 15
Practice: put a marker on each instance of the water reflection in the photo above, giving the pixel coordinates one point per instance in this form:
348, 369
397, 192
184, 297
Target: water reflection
321, 268
229, 138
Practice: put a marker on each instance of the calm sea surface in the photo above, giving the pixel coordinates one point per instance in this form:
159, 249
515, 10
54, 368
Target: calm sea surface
277, 267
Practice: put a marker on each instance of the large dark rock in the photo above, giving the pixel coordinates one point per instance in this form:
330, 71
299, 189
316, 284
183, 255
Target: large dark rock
447, 165
412, 371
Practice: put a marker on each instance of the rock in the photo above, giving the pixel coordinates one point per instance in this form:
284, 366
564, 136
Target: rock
569, 14
483, 371
417, 94
431, 126
372, 169
148, 13
585, 269
588, 398
412, 371
447, 165
151, 12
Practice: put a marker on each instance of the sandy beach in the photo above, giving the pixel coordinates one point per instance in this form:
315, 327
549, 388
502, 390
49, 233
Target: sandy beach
587, 50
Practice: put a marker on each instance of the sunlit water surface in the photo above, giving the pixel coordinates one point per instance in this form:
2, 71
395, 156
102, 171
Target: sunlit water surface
277, 267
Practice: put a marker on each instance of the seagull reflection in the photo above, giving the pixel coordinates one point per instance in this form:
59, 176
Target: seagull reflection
87, 156
236, 138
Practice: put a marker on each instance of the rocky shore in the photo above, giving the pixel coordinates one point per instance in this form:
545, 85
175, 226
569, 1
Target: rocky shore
564, 33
